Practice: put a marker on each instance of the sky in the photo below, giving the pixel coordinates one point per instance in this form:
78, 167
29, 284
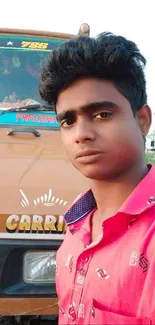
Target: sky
133, 19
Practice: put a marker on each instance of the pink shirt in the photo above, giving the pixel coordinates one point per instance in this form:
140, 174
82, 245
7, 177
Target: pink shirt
110, 281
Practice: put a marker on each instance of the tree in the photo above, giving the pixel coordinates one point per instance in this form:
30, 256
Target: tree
150, 157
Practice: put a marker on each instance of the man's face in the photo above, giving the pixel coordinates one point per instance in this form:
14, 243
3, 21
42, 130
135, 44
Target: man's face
101, 136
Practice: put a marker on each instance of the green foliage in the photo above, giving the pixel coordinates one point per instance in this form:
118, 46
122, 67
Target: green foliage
150, 157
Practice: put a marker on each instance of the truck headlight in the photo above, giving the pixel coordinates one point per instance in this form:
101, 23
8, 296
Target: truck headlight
39, 267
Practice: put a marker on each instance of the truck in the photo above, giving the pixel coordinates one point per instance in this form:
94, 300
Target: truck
37, 182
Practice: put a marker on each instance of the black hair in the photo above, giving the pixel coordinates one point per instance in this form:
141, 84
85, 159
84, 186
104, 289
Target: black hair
108, 57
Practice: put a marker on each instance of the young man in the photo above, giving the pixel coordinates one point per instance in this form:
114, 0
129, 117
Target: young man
106, 264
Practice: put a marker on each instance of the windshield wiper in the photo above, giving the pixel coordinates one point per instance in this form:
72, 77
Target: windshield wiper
34, 107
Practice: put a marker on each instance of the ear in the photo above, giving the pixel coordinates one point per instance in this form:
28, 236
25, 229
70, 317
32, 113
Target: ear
144, 119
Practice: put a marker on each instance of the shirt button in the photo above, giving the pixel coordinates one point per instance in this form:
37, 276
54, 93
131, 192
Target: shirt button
72, 313
82, 262
72, 229
93, 312
131, 222
85, 259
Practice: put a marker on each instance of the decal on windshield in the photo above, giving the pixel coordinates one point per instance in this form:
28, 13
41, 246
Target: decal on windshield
28, 43
34, 45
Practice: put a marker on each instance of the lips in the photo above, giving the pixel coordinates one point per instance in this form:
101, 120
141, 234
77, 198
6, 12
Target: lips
86, 153
88, 156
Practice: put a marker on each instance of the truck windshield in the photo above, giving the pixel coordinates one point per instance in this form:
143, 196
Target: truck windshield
21, 58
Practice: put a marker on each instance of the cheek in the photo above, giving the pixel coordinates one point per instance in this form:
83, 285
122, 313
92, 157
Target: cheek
126, 130
124, 136
130, 143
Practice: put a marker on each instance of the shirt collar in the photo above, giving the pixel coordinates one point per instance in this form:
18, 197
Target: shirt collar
142, 198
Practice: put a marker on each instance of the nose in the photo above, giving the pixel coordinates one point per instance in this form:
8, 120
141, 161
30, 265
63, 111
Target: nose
84, 132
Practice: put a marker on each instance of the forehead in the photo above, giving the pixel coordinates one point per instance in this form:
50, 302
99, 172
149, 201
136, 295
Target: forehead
88, 90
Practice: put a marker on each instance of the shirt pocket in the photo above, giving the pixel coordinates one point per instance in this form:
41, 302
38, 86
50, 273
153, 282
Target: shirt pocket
100, 316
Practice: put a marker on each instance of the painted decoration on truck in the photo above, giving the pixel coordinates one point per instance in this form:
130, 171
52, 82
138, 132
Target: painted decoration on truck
28, 43
35, 224
32, 227
47, 199
29, 119
35, 227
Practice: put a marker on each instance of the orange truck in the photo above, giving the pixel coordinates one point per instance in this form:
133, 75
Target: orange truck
37, 182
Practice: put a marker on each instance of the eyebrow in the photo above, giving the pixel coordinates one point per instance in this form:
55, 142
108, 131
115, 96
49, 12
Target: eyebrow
91, 107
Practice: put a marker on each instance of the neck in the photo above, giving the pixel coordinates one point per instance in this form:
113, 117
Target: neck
111, 194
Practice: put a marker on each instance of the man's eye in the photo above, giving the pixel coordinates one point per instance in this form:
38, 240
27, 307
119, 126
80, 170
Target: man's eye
103, 115
67, 123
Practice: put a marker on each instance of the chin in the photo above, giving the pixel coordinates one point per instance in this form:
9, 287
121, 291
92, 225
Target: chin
99, 173
94, 177
94, 173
